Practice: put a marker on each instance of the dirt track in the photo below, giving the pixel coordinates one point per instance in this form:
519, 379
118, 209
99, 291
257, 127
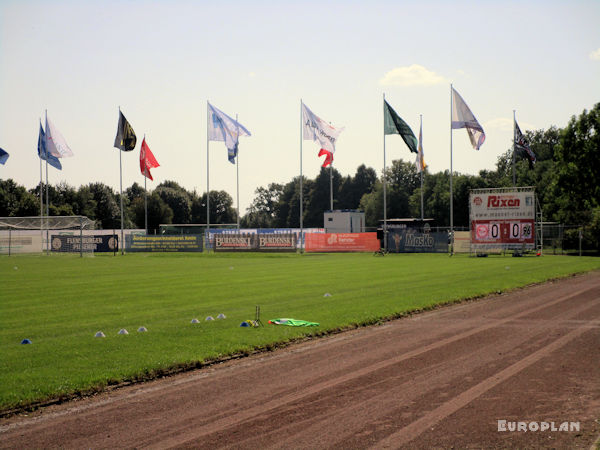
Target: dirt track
439, 379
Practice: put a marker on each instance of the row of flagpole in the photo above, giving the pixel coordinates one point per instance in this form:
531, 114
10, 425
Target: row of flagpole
221, 127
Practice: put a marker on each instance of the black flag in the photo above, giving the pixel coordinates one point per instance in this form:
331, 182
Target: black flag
522, 148
125, 139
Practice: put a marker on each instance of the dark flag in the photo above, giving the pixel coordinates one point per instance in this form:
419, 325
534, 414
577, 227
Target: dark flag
125, 139
3, 156
522, 149
393, 124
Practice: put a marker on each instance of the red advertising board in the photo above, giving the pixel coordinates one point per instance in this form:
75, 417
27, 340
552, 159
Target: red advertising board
341, 242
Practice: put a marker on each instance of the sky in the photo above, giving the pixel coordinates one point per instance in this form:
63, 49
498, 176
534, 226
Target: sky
162, 61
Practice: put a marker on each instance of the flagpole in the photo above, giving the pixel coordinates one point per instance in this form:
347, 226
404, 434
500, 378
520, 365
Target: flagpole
145, 192
207, 173
301, 212
41, 193
384, 185
514, 173
331, 186
121, 192
237, 170
421, 165
47, 203
451, 191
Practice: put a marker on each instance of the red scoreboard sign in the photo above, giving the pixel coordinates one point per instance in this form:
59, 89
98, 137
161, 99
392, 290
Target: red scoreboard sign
502, 218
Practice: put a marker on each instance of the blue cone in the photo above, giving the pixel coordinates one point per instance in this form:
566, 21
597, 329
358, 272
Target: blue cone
244, 324
25, 341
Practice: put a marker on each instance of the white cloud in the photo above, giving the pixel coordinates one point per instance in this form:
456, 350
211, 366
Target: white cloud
251, 74
414, 75
595, 55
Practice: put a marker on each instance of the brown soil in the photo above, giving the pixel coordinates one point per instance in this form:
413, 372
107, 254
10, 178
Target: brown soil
438, 379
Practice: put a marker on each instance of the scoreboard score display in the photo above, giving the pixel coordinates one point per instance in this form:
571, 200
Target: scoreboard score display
502, 218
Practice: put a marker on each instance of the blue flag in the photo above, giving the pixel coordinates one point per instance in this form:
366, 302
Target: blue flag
3, 156
43, 154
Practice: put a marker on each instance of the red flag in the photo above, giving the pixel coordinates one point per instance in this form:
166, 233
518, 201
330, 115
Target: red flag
147, 160
328, 157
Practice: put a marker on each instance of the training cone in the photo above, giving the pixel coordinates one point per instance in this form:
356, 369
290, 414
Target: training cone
25, 341
195, 321
327, 294
221, 316
209, 318
142, 329
244, 324
123, 331
99, 334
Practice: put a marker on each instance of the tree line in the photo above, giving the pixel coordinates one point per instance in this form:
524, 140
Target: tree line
566, 177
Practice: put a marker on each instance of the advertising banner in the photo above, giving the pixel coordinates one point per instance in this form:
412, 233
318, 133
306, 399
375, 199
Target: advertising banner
502, 218
412, 241
96, 243
210, 234
257, 242
342, 242
182, 243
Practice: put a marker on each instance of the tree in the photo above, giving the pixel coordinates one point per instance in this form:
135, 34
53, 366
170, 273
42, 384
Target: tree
16, 201
372, 205
158, 212
221, 208
319, 197
178, 200
402, 179
576, 188
107, 213
262, 212
353, 188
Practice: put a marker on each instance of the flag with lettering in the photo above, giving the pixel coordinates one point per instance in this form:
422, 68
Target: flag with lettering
125, 139
43, 153
393, 124
147, 160
221, 127
522, 148
462, 117
316, 129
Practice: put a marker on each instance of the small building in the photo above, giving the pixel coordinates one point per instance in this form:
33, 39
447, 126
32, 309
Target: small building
344, 221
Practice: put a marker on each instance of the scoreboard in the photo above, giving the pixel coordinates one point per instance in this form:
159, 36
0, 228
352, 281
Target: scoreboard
502, 218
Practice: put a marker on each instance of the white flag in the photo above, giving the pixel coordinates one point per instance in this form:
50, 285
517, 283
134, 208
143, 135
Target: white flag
462, 117
221, 127
316, 129
55, 142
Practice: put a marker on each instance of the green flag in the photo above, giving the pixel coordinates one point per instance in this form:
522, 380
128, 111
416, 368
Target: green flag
393, 124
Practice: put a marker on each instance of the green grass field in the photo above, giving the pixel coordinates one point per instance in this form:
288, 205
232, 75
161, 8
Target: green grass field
60, 302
